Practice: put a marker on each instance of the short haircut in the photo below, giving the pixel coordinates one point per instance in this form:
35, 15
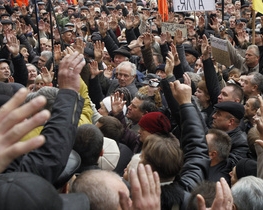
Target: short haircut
89, 144
237, 91
163, 154
247, 193
221, 142
111, 128
147, 104
127, 64
207, 189
50, 93
46, 54
257, 79
94, 183
30, 64
254, 48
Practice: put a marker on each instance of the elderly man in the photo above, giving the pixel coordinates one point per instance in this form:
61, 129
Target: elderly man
248, 64
125, 73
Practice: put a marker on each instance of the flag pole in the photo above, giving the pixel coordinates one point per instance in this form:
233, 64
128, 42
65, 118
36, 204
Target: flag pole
253, 25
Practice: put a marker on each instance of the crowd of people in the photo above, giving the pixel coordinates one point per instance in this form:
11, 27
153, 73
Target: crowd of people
101, 109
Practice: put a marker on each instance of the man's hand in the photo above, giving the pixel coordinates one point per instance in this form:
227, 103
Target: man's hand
46, 75
12, 44
69, 69
205, 48
145, 190
14, 126
94, 70
99, 50
117, 103
181, 92
223, 199
147, 40
178, 37
79, 45
169, 66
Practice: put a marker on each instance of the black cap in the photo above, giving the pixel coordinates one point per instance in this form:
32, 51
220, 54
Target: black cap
84, 8
95, 36
71, 7
160, 67
189, 49
8, 21
88, 51
122, 51
246, 167
4, 60
41, 3
229, 32
27, 191
234, 108
65, 29
244, 5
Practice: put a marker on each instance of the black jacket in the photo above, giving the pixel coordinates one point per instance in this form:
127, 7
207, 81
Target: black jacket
50, 160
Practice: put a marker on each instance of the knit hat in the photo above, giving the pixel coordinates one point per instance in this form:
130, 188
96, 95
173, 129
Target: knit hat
189, 49
155, 122
234, 108
246, 167
27, 191
107, 103
111, 155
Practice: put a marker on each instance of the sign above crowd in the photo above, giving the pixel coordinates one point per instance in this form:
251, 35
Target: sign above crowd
171, 28
220, 51
193, 5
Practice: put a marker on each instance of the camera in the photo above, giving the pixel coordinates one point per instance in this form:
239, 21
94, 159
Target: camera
153, 83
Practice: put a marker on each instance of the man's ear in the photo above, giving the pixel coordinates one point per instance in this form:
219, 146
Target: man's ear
102, 152
213, 154
234, 207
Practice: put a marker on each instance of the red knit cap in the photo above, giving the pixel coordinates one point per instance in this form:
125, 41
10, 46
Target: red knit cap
155, 122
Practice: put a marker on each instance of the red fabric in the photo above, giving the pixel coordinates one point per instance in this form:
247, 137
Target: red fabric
163, 9
72, 2
21, 2
155, 122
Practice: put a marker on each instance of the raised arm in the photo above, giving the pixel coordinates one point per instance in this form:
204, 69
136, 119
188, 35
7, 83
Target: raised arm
193, 142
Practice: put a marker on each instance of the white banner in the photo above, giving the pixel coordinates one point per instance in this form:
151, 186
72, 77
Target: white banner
193, 5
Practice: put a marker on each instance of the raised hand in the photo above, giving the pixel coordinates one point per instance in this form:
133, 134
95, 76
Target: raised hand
94, 69
169, 66
99, 50
205, 48
223, 199
145, 190
47, 76
69, 69
13, 44
178, 37
117, 103
181, 92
